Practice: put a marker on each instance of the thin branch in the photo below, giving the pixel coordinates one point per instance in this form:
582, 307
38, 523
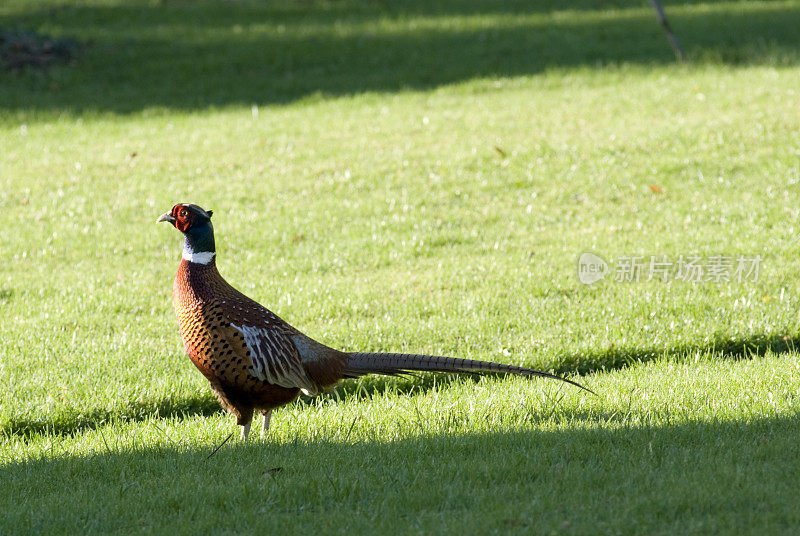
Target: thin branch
662, 19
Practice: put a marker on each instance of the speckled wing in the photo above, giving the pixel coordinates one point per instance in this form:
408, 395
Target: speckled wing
273, 358
239, 343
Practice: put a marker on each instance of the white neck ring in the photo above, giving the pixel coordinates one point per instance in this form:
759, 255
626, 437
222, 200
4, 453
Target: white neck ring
202, 257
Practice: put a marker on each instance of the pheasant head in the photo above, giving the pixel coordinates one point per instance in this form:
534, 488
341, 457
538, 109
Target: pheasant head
195, 224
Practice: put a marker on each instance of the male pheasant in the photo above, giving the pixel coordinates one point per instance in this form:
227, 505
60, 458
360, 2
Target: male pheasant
253, 359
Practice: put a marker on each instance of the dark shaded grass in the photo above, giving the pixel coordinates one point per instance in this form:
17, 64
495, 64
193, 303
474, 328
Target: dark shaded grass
209, 54
689, 478
213, 13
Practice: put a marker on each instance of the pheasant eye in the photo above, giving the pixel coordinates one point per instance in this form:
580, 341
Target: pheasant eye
183, 213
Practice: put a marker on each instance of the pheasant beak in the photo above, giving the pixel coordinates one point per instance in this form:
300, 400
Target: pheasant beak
167, 216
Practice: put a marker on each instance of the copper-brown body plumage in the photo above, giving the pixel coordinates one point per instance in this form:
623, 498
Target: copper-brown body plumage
208, 308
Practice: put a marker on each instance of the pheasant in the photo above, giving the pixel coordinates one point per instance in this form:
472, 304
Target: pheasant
253, 359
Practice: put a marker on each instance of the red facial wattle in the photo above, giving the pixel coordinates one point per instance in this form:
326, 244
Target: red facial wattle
183, 218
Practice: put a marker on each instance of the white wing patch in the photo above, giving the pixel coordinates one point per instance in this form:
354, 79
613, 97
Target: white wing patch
275, 360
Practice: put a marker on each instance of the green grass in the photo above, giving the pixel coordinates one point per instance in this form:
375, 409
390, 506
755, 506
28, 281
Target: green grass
403, 177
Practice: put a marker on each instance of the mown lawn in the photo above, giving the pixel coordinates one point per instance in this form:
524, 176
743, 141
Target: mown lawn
406, 176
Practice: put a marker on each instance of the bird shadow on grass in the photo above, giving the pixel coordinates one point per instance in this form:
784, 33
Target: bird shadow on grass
74, 424
188, 56
409, 385
679, 478
720, 346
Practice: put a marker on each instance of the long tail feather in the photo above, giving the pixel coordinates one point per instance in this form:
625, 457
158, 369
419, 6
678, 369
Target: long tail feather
360, 364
